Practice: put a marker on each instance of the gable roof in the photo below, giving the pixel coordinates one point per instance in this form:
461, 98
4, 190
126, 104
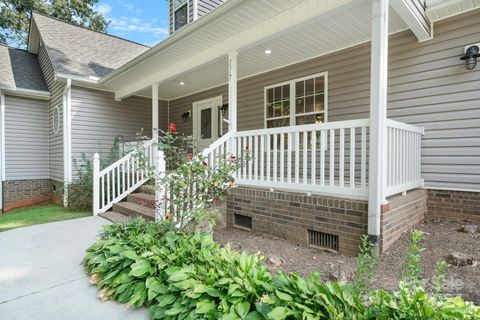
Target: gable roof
20, 70
81, 52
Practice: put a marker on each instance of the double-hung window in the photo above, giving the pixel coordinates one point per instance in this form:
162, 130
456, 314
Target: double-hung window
180, 13
296, 102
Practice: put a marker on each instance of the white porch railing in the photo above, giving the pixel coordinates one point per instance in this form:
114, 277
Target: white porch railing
121, 178
329, 158
403, 157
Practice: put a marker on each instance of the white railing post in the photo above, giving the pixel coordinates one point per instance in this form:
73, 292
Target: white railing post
232, 98
96, 184
160, 172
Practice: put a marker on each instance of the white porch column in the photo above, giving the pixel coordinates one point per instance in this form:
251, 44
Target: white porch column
378, 117
155, 112
232, 97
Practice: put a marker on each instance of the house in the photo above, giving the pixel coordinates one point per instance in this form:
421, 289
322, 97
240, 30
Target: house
341, 146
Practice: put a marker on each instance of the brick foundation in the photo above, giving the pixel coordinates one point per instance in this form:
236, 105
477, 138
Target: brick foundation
23, 193
457, 205
56, 188
401, 214
290, 215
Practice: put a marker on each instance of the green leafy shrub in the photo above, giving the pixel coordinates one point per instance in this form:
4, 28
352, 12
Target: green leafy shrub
80, 192
188, 276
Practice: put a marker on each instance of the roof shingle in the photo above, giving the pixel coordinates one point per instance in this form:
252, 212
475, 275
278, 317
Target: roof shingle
20, 70
81, 52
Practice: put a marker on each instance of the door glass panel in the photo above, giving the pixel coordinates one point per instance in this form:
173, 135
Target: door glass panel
206, 123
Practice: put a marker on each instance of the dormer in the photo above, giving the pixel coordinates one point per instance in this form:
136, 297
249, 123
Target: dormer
183, 12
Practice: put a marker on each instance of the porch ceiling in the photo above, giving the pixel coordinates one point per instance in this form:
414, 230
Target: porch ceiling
343, 26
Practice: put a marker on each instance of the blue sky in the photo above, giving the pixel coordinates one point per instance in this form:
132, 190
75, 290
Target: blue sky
143, 21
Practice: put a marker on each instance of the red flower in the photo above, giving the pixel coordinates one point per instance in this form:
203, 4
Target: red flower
205, 163
172, 127
233, 158
247, 148
190, 157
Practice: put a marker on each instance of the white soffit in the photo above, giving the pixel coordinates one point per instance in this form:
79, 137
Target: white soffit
442, 9
342, 28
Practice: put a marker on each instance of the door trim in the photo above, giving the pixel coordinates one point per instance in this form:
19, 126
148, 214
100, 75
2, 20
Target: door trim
195, 128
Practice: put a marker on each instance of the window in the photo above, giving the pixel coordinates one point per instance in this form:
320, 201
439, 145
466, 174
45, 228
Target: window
180, 13
56, 120
297, 102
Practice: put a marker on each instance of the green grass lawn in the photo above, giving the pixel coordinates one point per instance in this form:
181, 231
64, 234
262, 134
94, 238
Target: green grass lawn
38, 215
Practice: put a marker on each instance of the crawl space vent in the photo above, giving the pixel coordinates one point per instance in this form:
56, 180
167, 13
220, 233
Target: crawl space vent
323, 240
242, 221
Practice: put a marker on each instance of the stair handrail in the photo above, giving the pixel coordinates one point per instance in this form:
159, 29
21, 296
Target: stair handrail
115, 182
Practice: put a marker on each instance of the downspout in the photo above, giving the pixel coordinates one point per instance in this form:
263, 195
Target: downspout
67, 140
195, 10
2, 148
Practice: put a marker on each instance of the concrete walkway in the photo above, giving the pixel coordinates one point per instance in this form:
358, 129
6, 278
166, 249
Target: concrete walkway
41, 276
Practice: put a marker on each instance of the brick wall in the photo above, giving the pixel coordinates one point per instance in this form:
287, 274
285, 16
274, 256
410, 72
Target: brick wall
23, 193
290, 215
459, 205
56, 188
401, 214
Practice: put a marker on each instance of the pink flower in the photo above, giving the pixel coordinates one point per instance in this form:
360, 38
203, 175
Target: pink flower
247, 148
205, 163
190, 157
233, 158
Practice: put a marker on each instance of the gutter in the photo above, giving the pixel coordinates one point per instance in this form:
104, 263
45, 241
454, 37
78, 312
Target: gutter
28, 93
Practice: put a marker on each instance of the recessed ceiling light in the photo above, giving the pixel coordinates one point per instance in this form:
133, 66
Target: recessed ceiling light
268, 51
182, 83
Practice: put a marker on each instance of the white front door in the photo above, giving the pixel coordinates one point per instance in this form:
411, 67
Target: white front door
206, 121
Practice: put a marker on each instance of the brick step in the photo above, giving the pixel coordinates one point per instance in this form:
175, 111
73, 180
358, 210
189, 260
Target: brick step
134, 210
147, 188
143, 199
113, 216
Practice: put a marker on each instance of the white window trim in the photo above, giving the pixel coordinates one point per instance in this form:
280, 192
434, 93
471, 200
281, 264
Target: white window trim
293, 114
187, 3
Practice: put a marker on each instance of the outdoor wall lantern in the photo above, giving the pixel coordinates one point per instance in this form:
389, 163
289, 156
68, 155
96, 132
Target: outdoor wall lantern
186, 115
223, 108
470, 57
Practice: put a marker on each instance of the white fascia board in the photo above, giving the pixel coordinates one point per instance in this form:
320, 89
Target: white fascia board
420, 26
282, 22
2, 132
27, 93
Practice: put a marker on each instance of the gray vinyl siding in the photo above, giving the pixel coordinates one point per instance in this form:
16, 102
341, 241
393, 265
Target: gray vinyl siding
26, 139
428, 87
98, 119
55, 149
205, 6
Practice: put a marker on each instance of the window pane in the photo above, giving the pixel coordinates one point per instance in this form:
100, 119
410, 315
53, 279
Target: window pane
278, 123
278, 94
286, 108
270, 95
299, 89
181, 18
309, 104
319, 103
206, 123
269, 110
309, 87
277, 109
299, 106
320, 118
319, 85
286, 92
178, 3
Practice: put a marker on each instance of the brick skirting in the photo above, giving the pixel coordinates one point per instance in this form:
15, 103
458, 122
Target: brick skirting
290, 215
23, 193
401, 214
458, 205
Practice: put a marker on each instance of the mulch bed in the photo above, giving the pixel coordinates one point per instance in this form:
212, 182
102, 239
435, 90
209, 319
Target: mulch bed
442, 237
